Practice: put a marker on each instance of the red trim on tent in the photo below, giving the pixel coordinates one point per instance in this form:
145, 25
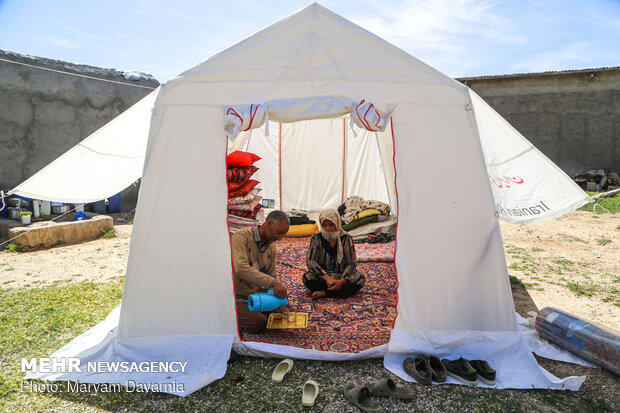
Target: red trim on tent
280, 163
232, 268
397, 220
344, 157
252, 115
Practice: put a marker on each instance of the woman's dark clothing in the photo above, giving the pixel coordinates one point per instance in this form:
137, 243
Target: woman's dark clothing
321, 260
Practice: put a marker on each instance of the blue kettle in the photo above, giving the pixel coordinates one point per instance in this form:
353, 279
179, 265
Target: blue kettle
263, 302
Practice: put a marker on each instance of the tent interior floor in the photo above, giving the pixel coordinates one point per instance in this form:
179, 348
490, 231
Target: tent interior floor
350, 325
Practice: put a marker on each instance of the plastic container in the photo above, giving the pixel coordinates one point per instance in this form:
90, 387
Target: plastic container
268, 301
597, 344
114, 204
45, 207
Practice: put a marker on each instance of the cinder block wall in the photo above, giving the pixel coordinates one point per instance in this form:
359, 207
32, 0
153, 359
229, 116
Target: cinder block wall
43, 113
573, 117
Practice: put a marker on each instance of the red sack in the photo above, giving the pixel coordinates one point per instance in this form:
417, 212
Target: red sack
240, 174
243, 189
240, 158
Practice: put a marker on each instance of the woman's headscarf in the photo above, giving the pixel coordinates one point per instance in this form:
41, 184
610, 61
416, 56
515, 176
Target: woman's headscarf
333, 216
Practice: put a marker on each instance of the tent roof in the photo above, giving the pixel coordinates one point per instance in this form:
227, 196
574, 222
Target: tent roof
315, 44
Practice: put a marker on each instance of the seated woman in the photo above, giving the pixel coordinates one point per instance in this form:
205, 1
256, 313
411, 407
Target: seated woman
331, 261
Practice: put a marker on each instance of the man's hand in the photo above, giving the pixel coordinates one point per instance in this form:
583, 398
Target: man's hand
279, 289
337, 284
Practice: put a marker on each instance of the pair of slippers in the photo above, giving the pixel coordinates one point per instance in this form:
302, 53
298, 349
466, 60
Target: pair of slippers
425, 369
310, 389
360, 396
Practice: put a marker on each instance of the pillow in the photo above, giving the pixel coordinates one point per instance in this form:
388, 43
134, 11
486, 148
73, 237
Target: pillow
240, 158
366, 213
240, 173
247, 206
244, 199
304, 230
243, 189
233, 186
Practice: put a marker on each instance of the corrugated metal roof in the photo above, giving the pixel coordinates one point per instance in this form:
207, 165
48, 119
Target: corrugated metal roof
554, 72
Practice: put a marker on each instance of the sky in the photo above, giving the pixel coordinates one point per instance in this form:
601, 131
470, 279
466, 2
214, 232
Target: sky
459, 37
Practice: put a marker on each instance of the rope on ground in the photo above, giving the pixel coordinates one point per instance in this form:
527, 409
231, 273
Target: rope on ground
600, 206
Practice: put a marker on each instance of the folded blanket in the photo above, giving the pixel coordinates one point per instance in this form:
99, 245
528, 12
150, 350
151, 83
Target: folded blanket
246, 198
250, 206
360, 222
375, 252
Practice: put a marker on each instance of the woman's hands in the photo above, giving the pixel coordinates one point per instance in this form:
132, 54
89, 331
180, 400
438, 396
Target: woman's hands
332, 283
337, 285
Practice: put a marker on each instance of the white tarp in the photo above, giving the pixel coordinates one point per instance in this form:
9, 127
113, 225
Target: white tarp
103, 164
527, 187
453, 288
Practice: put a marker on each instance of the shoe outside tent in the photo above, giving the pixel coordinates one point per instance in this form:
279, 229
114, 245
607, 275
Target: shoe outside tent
334, 111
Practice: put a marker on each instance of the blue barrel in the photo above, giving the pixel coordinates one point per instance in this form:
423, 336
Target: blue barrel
114, 203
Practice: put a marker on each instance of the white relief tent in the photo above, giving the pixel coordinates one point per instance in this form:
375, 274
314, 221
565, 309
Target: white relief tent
308, 73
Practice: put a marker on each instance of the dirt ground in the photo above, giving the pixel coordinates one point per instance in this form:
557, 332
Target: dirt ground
572, 263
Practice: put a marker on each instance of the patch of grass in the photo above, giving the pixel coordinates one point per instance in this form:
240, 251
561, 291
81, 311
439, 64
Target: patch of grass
536, 249
612, 204
13, 247
563, 261
576, 239
107, 234
36, 322
587, 290
603, 241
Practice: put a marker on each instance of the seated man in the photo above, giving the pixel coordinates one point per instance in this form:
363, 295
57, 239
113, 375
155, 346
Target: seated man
254, 266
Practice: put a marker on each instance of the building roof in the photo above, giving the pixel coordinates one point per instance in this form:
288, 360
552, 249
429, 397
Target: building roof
548, 73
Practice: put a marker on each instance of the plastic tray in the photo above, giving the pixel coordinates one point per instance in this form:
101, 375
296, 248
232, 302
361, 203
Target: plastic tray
301, 321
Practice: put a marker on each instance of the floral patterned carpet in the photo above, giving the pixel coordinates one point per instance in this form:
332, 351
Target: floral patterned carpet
339, 325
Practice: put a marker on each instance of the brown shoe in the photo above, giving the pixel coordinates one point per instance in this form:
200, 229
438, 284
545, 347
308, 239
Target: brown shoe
419, 369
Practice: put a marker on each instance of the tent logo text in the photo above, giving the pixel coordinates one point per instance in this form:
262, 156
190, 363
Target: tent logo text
506, 181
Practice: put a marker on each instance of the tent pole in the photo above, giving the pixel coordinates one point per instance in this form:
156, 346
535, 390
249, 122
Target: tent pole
280, 163
344, 158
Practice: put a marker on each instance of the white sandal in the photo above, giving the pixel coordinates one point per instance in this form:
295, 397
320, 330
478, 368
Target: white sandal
281, 369
310, 392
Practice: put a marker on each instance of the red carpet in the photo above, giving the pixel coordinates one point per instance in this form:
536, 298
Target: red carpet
345, 326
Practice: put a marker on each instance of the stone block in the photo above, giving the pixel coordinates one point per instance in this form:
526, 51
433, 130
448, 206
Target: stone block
48, 233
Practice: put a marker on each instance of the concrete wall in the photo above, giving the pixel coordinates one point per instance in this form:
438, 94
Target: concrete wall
43, 113
573, 117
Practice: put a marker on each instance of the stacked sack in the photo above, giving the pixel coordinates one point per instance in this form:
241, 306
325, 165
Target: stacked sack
244, 203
